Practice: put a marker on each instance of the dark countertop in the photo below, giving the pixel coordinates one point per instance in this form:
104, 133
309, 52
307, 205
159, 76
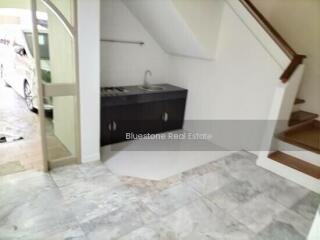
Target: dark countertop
134, 95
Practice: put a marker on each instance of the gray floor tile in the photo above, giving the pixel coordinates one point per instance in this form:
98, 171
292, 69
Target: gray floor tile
144, 233
90, 189
233, 195
39, 215
307, 206
200, 220
299, 223
257, 213
279, 231
99, 203
169, 200
118, 223
23, 186
208, 182
242, 166
65, 176
93, 169
66, 232
286, 193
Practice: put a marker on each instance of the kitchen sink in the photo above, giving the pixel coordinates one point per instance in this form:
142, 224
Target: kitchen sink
152, 88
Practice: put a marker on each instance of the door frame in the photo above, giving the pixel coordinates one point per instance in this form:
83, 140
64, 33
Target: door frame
56, 90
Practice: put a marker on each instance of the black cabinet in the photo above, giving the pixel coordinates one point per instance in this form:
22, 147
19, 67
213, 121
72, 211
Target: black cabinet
120, 118
117, 121
172, 114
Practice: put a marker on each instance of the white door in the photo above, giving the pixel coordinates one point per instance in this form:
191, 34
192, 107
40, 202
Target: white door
57, 74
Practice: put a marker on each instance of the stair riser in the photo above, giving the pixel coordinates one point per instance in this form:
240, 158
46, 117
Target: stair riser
298, 152
291, 174
300, 117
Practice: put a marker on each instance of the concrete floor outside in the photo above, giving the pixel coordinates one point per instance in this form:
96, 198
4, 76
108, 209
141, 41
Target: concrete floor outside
16, 119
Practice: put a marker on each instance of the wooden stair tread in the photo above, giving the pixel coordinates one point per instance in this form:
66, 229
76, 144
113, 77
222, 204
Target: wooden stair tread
306, 136
296, 163
299, 101
300, 117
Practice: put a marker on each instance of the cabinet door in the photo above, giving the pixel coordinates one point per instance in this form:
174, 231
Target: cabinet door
126, 120
106, 125
151, 117
173, 114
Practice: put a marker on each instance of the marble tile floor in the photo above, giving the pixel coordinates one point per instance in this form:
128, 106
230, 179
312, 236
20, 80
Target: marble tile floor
228, 199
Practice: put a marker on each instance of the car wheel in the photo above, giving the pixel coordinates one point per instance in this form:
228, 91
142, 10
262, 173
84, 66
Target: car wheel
2, 76
28, 96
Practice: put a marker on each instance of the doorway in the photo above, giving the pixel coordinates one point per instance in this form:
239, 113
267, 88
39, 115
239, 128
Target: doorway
20, 142
48, 103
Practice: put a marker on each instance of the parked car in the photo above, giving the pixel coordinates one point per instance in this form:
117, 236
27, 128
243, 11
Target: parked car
17, 65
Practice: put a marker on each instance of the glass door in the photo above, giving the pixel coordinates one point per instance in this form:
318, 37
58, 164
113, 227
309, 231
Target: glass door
55, 51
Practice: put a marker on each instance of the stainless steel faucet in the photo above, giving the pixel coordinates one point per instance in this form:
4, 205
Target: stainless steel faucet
145, 80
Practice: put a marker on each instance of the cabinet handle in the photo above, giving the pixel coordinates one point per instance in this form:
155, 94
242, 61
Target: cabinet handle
165, 117
109, 127
114, 126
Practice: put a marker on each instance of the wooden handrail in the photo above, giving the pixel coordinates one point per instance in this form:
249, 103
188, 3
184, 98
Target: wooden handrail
296, 59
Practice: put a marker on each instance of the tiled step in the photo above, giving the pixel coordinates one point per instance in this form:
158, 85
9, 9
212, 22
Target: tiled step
306, 136
61, 162
301, 117
299, 101
296, 163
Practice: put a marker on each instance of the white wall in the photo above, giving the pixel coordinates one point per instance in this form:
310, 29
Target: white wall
89, 70
125, 64
298, 21
239, 85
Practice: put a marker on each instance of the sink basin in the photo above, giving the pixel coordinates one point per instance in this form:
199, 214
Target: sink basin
152, 88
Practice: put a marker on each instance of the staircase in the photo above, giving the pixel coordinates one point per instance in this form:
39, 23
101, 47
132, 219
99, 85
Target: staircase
292, 139
299, 148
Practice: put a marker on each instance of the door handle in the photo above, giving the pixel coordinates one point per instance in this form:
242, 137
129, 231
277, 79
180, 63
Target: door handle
165, 117
114, 126
109, 127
